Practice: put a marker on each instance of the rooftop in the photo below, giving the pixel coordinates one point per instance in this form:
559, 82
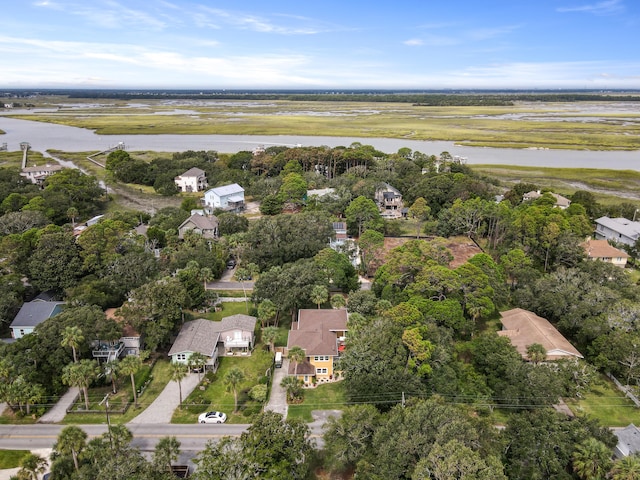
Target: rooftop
232, 189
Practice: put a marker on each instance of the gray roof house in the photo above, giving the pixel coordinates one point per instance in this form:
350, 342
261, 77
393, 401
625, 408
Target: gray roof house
619, 230
193, 180
207, 226
628, 441
31, 315
231, 335
196, 336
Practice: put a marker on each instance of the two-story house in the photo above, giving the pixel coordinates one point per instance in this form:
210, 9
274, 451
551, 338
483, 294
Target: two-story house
38, 174
321, 334
619, 230
227, 197
389, 201
193, 180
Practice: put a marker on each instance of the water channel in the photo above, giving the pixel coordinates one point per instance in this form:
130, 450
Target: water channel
44, 136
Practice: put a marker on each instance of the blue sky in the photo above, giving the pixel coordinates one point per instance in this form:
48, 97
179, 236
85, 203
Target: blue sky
420, 44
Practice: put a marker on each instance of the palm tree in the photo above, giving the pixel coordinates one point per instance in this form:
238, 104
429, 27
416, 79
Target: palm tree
72, 214
270, 335
34, 394
293, 386
319, 294
166, 452
130, 365
81, 375
198, 360
71, 441
627, 468
233, 379
536, 353
178, 373
72, 337
31, 466
112, 368
206, 275
266, 311
591, 460
296, 354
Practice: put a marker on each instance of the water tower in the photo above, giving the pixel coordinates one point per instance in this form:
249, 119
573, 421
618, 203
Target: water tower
24, 146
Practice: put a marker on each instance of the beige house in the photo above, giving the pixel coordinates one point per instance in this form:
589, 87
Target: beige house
207, 226
525, 328
321, 334
601, 250
193, 180
561, 202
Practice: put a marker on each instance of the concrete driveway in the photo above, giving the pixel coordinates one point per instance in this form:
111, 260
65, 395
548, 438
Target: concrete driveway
278, 398
161, 409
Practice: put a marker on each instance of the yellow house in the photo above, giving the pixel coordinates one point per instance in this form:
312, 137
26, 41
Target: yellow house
321, 334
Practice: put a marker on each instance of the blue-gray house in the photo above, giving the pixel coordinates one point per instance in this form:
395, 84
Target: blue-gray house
32, 314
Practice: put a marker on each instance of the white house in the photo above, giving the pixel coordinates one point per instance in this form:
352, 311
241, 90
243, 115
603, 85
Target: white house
193, 180
561, 202
227, 197
619, 230
39, 173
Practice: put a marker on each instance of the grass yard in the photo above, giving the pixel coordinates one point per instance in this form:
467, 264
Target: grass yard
216, 397
606, 403
160, 376
228, 309
11, 458
328, 396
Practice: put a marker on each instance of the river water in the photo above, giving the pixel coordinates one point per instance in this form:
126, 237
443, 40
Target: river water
43, 136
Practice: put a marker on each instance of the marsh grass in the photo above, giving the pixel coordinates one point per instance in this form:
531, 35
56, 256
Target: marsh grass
609, 186
555, 126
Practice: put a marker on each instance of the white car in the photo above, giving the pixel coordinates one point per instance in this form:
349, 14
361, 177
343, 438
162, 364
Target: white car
212, 417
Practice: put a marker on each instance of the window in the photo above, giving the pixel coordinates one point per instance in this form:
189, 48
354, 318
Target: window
181, 357
321, 370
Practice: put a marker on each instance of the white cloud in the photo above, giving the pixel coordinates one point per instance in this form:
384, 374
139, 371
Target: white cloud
607, 7
257, 23
414, 42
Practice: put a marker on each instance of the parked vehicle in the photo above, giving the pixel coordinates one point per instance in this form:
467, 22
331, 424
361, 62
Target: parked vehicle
278, 361
212, 417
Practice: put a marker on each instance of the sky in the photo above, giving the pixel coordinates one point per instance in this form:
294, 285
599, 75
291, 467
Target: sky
322, 44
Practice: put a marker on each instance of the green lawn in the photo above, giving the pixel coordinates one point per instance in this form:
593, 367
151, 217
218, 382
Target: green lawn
216, 397
329, 396
160, 376
11, 458
228, 309
606, 403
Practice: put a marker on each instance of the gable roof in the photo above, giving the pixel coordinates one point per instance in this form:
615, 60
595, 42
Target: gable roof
525, 328
628, 228
196, 336
201, 222
193, 172
231, 189
561, 201
315, 330
602, 249
238, 321
34, 313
